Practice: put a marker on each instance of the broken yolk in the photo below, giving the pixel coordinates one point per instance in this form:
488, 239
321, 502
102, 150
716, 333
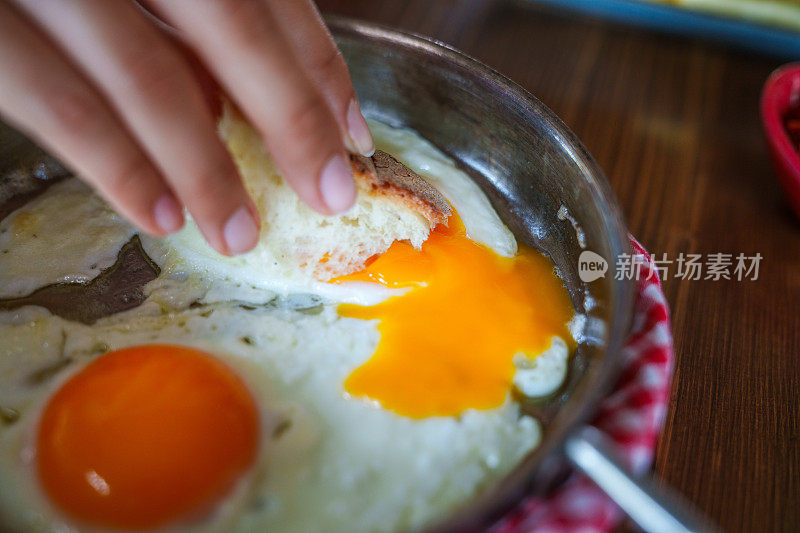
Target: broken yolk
448, 343
146, 435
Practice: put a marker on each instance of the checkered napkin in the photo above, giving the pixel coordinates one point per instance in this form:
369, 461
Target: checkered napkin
632, 416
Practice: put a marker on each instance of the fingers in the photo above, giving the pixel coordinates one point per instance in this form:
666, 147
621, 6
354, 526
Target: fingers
314, 46
152, 88
243, 44
48, 98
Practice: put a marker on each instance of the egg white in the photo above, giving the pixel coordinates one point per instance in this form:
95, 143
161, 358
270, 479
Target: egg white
68, 234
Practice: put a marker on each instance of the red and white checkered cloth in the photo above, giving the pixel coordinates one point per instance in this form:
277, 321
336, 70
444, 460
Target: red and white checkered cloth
632, 416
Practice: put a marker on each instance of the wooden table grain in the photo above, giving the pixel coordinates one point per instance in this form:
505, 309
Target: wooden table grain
674, 123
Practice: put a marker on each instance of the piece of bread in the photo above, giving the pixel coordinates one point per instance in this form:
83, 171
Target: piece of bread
393, 204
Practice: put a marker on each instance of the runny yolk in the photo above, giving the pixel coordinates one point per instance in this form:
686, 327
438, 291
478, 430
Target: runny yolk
146, 435
448, 343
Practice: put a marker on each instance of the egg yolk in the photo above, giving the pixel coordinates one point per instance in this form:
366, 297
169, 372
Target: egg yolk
145, 435
448, 343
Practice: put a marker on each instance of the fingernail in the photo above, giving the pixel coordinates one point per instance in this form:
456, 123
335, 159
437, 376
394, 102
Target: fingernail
336, 185
358, 130
168, 214
240, 232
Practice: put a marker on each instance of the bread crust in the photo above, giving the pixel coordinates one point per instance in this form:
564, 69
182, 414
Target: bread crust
383, 175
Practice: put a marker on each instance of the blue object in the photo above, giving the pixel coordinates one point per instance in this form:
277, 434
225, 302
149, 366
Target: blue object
774, 41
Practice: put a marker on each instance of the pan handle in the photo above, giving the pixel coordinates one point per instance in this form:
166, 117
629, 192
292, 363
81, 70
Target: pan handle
651, 505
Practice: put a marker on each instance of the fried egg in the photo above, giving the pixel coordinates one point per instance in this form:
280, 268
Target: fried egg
316, 448
380, 401
450, 343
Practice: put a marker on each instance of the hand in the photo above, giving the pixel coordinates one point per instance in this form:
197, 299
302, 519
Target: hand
100, 85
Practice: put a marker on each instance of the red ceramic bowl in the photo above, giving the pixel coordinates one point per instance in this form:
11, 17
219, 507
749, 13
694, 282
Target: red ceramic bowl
781, 92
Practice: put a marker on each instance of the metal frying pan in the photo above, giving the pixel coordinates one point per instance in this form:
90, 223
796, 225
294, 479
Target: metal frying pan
531, 167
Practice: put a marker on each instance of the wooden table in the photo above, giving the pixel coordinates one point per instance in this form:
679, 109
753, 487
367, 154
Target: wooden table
674, 123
